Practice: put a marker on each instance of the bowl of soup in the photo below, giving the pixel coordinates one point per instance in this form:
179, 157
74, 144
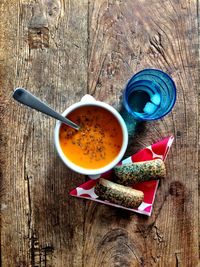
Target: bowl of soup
99, 144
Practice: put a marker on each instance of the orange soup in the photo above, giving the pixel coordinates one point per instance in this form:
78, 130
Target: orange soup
98, 141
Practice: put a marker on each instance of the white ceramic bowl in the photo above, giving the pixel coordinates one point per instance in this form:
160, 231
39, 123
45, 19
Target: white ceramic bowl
88, 100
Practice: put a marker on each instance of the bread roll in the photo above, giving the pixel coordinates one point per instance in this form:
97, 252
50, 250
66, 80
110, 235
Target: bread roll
118, 194
129, 174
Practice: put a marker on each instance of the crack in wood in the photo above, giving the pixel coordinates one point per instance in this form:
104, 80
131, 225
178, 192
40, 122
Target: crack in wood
159, 210
177, 260
39, 255
157, 45
158, 237
93, 90
31, 237
46, 254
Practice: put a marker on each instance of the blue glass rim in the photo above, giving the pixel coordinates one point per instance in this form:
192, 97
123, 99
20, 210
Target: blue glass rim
137, 74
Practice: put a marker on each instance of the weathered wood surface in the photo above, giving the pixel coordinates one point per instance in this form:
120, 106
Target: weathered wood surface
60, 50
44, 48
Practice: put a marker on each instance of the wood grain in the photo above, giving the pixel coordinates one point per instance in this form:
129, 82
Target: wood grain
43, 48
126, 37
60, 50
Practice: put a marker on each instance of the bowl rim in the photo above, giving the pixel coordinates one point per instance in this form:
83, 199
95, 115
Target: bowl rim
114, 162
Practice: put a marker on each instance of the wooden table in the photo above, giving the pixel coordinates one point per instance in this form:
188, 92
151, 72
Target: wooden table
61, 50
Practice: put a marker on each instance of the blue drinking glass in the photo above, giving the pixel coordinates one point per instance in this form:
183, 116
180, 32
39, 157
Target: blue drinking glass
149, 95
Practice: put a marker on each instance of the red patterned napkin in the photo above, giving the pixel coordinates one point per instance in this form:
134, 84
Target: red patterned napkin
157, 150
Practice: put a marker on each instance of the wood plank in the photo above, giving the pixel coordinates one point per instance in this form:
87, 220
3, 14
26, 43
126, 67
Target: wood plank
125, 37
43, 48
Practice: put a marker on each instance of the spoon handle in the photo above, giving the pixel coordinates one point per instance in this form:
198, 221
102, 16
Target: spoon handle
26, 98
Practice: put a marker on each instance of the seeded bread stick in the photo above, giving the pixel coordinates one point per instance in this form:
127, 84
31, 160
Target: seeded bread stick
128, 174
118, 194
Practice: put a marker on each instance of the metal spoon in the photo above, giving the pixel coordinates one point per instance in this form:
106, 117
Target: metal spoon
26, 98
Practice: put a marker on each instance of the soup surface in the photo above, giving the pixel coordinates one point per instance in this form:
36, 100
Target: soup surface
98, 141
